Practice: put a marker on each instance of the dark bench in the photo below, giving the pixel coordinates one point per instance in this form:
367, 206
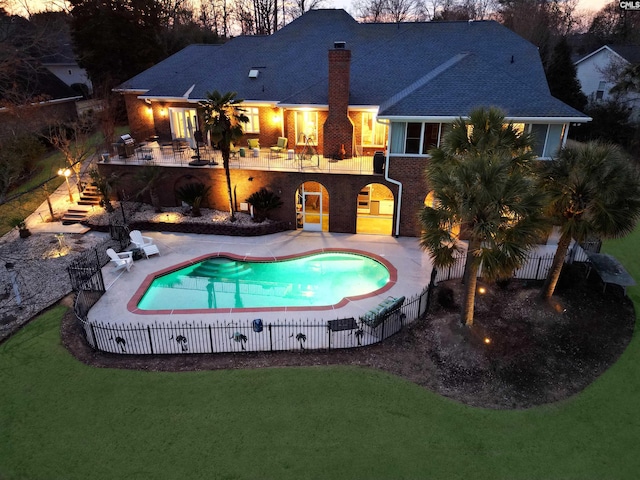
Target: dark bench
342, 324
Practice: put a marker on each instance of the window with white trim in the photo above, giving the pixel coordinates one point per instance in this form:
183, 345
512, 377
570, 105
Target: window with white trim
184, 122
547, 139
374, 134
306, 127
415, 137
253, 125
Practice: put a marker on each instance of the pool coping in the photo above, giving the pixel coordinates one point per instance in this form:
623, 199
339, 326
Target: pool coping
132, 304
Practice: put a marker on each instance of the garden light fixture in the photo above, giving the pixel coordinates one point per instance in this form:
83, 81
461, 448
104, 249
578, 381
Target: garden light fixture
66, 173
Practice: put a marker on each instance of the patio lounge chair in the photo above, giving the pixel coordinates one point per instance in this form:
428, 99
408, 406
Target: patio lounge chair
253, 143
121, 260
379, 314
143, 243
233, 150
280, 146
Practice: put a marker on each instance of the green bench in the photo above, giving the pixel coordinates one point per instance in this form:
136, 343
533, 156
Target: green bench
379, 314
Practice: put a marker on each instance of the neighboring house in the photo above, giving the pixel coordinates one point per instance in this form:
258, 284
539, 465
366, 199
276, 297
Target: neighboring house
64, 66
45, 99
350, 90
595, 71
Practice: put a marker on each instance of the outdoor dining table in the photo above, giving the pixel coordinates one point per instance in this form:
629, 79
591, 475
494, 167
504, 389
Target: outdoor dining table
610, 270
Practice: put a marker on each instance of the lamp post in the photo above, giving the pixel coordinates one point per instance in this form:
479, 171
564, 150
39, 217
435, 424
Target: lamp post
66, 173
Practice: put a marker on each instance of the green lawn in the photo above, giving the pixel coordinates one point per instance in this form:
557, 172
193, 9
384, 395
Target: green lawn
47, 167
60, 419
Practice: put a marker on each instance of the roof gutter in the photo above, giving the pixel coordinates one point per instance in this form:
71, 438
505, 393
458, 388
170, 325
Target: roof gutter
448, 119
391, 180
48, 102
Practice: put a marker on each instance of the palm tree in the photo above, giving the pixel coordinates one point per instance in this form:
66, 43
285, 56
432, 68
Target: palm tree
150, 176
594, 191
483, 185
223, 119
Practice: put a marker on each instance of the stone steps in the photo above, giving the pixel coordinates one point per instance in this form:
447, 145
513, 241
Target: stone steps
74, 215
90, 196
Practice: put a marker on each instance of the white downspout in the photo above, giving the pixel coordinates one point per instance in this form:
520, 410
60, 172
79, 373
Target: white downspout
391, 180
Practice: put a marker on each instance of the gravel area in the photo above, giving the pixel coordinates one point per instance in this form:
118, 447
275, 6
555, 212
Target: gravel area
38, 278
141, 212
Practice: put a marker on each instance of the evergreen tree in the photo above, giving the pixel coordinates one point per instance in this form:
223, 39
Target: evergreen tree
562, 79
116, 40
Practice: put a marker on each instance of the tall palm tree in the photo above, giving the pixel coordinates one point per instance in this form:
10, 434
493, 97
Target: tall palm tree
224, 119
484, 186
594, 191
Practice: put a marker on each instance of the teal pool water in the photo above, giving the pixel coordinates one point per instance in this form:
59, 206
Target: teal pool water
320, 279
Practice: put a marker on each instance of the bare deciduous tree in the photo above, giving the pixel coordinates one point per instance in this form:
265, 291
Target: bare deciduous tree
71, 141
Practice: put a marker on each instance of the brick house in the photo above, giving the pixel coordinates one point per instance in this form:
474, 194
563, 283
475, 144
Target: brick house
359, 104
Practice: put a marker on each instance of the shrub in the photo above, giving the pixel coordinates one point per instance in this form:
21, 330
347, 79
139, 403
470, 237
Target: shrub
263, 201
192, 194
445, 297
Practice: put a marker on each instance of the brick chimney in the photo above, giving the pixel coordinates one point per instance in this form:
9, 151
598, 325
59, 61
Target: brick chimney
338, 128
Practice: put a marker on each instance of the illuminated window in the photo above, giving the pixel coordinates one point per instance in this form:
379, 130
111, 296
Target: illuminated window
374, 134
184, 122
306, 127
253, 114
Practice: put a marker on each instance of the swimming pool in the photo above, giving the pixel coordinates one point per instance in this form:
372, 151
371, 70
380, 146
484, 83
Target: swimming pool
316, 280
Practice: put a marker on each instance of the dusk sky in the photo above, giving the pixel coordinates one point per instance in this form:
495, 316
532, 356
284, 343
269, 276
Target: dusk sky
37, 5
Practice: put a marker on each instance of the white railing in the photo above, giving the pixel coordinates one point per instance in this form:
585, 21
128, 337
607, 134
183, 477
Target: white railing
264, 159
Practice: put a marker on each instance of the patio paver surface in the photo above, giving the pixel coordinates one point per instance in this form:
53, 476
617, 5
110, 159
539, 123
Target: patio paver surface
413, 266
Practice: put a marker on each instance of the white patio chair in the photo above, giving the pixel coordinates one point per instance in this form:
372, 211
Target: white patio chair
139, 240
121, 260
143, 243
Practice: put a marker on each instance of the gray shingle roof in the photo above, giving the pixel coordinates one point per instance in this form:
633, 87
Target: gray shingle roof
630, 53
385, 59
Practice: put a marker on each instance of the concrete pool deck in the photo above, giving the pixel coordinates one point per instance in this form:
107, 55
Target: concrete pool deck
413, 266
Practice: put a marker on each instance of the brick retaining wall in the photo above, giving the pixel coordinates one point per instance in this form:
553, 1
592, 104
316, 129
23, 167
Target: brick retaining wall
204, 228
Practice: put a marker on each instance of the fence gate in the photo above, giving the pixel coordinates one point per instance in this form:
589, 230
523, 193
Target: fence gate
120, 233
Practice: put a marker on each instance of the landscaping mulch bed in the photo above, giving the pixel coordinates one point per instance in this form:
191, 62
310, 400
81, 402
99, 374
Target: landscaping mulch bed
522, 351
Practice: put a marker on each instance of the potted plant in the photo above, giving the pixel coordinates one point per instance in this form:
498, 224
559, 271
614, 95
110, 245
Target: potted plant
20, 224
